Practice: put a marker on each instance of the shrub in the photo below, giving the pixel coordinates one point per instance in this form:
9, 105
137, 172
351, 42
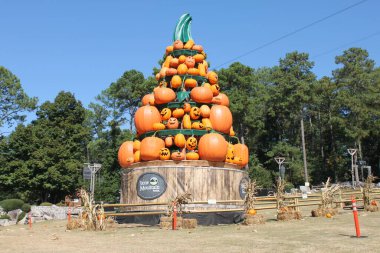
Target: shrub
11, 204
5, 216
26, 208
46, 204
60, 204
21, 216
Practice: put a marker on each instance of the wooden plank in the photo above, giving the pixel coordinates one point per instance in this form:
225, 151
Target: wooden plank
181, 180
188, 163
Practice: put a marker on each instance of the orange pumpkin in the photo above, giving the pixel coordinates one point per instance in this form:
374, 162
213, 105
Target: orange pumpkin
136, 145
164, 154
181, 59
169, 141
167, 61
145, 117
150, 148
197, 125
172, 123
193, 71
232, 132
192, 156
164, 95
221, 99
198, 48
179, 140
241, 151
158, 76
199, 58
182, 69
201, 95
174, 63
186, 107
212, 147
158, 126
202, 69
169, 49
166, 113
221, 118
163, 72
125, 154
148, 99
177, 45
136, 156
189, 44
176, 81
230, 153
205, 111
251, 212
178, 156
190, 62
191, 143
171, 72
195, 113
207, 123
178, 113
186, 122
212, 77
238, 161
190, 83
215, 89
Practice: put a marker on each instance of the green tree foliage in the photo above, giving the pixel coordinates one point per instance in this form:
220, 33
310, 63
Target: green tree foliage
13, 99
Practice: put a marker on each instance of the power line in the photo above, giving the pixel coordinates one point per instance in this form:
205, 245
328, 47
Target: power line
345, 45
294, 32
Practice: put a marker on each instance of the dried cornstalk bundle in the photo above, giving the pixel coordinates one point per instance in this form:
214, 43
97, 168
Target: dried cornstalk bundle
250, 193
280, 194
368, 185
328, 196
178, 202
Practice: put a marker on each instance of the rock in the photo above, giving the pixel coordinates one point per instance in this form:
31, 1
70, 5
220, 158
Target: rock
2, 212
23, 220
47, 217
14, 214
5, 222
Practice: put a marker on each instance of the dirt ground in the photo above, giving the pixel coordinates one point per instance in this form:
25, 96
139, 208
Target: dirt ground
307, 235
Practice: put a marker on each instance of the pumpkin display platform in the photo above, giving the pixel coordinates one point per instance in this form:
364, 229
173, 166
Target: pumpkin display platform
185, 142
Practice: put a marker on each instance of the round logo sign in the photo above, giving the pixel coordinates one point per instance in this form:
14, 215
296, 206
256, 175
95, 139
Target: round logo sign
150, 186
242, 186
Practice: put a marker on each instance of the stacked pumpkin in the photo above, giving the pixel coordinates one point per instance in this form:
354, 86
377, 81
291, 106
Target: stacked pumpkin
186, 117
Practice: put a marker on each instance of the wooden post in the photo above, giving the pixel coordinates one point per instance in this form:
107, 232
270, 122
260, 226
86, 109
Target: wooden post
296, 204
340, 199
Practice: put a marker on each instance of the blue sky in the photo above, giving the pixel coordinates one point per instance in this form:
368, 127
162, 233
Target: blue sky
83, 46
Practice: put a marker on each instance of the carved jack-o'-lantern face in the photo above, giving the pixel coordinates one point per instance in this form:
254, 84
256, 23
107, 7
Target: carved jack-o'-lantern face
230, 153
166, 113
172, 123
195, 113
190, 62
177, 156
191, 143
164, 154
238, 161
215, 88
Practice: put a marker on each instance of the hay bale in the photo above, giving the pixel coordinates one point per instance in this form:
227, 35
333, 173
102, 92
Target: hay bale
316, 213
166, 219
372, 208
189, 223
254, 219
165, 225
320, 212
291, 215
166, 222
73, 224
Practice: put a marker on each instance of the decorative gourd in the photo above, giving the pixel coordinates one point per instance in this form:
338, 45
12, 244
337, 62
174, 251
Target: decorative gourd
190, 62
199, 58
158, 76
158, 126
182, 69
201, 95
221, 99
178, 113
198, 48
241, 151
190, 83
164, 154
177, 45
181, 59
169, 49
174, 63
145, 117
232, 132
221, 118
251, 211
186, 107
207, 123
178, 156
148, 99
189, 44
212, 77
164, 95
205, 111
150, 148
169, 141
191, 143
192, 156
176, 81
215, 88
167, 61
136, 156
197, 125
125, 154
171, 72
166, 113
328, 215
186, 122
212, 147
179, 140
193, 71
202, 69
172, 123
136, 145
205, 63
195, 113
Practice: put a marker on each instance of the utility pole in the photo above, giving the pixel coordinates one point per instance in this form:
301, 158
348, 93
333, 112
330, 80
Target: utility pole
304, 153
95, 167
279, 161
352, 152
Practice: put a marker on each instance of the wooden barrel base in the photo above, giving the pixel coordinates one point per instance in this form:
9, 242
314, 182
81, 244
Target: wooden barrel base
207, 182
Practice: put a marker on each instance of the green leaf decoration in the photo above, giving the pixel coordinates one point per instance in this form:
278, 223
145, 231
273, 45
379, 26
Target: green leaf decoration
183, 29
182, 95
